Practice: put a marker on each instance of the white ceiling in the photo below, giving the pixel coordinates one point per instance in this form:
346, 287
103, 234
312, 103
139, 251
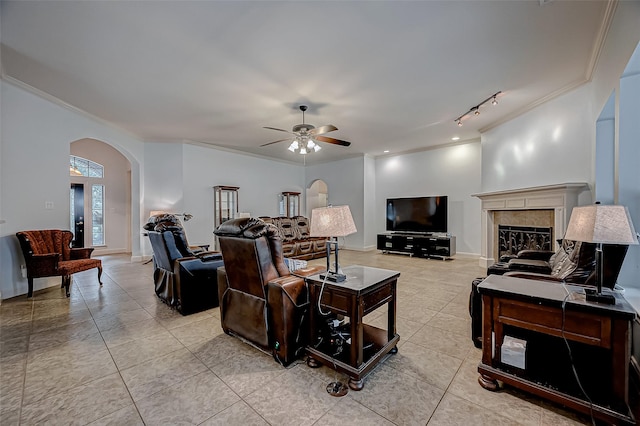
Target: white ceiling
391, 75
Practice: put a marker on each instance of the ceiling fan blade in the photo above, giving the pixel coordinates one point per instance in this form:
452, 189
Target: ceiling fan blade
332, 140
280, 130
323, 129
280, 140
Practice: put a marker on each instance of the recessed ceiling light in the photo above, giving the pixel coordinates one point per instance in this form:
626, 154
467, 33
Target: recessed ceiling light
385, 151
455, 138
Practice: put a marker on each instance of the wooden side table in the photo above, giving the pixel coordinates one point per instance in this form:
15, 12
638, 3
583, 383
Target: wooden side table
598, 334
365, 290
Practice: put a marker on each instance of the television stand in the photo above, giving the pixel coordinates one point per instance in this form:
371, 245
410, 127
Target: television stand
421, 245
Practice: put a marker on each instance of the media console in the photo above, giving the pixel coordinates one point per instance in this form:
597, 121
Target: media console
422, 245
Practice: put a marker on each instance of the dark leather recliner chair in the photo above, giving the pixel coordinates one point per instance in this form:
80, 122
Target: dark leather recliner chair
574, 263
260, 300
184, 280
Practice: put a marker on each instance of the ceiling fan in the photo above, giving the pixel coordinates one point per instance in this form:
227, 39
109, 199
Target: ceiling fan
305, 136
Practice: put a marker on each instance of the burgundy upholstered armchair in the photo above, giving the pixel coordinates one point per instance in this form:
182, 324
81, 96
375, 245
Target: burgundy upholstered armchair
260, 300
48, 253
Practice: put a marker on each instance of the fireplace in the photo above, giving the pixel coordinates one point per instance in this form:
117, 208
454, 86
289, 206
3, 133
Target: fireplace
512, 239
544, 206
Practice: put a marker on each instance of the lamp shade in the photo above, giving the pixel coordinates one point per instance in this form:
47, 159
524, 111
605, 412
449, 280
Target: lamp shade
598, 223
333, 221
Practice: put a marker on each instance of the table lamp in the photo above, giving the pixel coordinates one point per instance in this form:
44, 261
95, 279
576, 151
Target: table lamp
332, 222
601, 224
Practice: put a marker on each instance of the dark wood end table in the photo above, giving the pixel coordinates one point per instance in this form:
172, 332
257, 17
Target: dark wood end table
599, 336
365, 290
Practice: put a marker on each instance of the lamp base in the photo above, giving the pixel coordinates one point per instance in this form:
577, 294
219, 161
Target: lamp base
331, 276
594, 296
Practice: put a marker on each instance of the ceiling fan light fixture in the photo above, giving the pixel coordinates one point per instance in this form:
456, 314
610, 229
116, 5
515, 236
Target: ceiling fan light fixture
306, 137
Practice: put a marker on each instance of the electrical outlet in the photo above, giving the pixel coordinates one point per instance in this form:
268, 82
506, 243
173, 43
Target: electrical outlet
48, 205
23, 271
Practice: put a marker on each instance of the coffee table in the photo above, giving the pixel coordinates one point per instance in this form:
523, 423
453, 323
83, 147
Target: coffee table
365, 290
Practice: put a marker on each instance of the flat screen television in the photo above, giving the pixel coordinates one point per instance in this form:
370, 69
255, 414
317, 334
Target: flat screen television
417, 214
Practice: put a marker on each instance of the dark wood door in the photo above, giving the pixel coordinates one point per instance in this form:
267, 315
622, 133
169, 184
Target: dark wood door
77, 214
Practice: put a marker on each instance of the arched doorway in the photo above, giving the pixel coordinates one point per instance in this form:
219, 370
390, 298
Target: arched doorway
317, 195
105, 206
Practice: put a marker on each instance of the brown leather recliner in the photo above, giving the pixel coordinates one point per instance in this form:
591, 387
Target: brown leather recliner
48, 253
260, 300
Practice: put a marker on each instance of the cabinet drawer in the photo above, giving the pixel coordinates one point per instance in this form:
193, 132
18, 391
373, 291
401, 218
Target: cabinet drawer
374, 300
586, 328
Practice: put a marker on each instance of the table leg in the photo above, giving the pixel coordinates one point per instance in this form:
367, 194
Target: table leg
488, 382
356, 385
312, 362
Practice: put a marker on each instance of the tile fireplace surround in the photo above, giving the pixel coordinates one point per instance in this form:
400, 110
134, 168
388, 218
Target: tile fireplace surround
560, 198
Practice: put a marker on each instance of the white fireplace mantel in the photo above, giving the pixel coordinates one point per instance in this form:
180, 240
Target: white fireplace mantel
561, 198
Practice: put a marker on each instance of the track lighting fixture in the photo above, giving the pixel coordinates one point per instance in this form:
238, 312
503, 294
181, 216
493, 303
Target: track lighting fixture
476, 109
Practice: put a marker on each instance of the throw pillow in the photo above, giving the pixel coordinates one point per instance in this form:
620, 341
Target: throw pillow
294, 264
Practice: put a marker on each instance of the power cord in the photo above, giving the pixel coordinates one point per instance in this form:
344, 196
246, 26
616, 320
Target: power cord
573, 367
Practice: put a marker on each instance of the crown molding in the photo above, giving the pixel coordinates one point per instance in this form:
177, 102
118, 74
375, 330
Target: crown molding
430, 148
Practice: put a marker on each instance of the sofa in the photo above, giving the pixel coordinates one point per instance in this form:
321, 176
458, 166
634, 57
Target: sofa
296, 241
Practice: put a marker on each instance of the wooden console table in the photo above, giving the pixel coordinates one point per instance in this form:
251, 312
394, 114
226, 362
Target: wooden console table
599, 337
364, 290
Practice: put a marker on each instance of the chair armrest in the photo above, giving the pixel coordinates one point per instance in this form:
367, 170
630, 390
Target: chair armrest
535, 254
44, 262
534, 276
529, 265
81, 253
207, 256
292, 286
308, 271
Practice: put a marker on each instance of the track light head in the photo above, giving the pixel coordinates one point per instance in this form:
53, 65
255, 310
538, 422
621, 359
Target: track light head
477, 111
459, 122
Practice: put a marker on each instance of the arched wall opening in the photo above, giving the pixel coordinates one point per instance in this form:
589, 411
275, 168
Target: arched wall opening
317, 195
116, 183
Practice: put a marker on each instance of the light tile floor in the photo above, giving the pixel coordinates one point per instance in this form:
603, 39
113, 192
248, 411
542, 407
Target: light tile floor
117, 355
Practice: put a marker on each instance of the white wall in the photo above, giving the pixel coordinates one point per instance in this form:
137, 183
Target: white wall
549, 145
345, 184
605, 153
370, 211
629, 162
452, 171
117, 188
36, 136
260, 181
